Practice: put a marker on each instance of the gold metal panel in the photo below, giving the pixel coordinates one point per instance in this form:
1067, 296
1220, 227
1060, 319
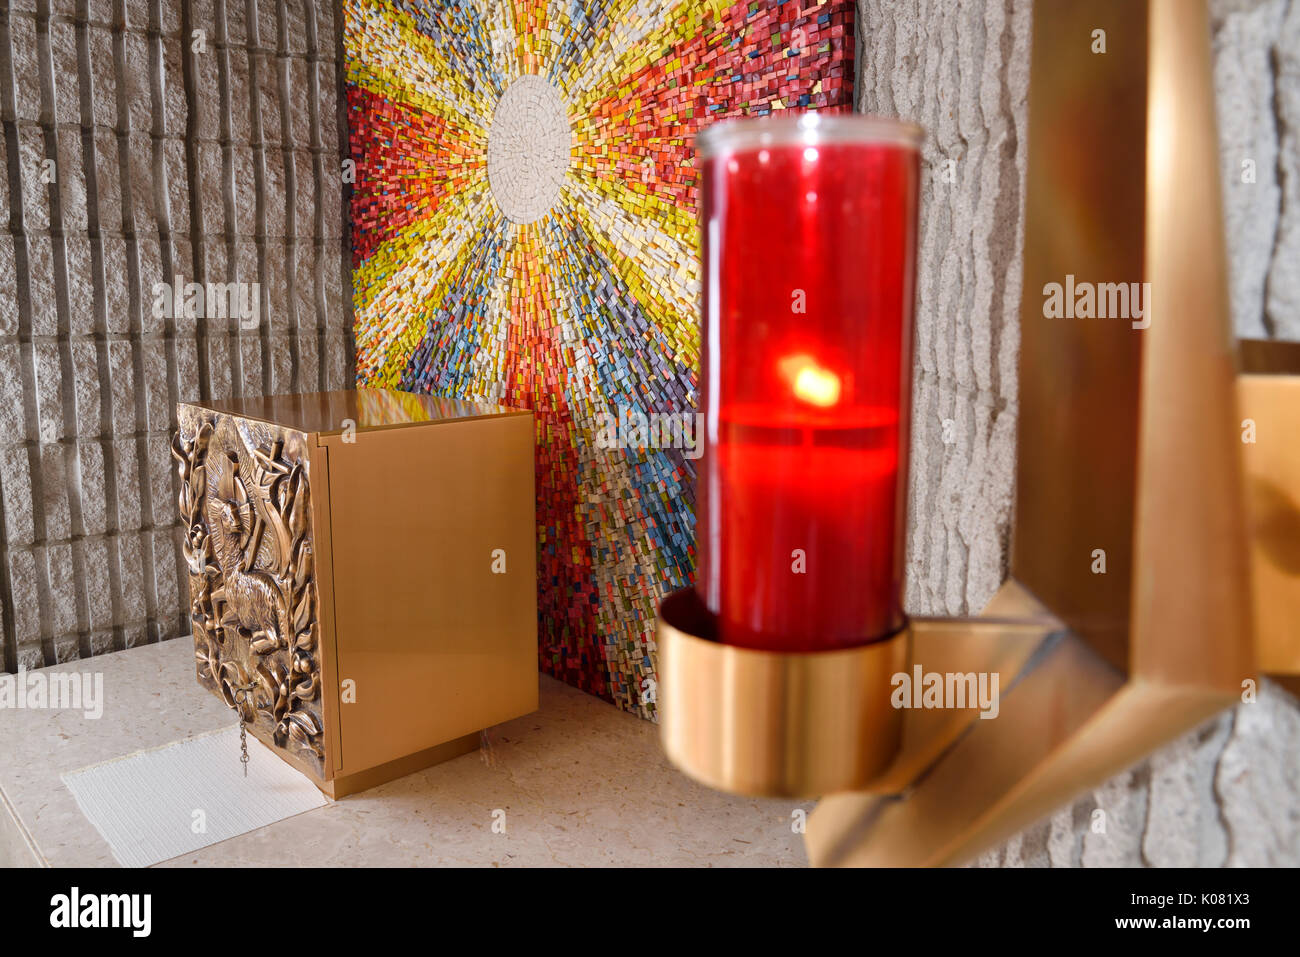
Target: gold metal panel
1080, 378
436, 643
1192, 616
1272, 466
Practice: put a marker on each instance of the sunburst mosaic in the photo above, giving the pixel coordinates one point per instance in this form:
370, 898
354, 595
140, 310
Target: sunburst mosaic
524, 231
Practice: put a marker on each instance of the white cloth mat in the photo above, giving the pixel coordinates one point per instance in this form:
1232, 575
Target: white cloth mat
155, 805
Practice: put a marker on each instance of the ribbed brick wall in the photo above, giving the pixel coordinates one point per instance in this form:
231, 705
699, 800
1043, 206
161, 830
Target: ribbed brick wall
213, 155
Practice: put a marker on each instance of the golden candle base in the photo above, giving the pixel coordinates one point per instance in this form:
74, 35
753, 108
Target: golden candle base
768, 723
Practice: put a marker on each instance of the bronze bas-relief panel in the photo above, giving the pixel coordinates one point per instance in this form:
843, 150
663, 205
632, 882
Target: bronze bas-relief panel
245, 499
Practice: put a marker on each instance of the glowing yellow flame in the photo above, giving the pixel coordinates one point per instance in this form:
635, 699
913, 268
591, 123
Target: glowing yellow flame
811, 383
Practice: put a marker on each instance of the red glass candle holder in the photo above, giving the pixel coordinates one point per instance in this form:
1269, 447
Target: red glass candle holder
809, 248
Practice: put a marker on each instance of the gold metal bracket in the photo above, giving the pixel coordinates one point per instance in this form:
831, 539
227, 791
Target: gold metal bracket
1127, 618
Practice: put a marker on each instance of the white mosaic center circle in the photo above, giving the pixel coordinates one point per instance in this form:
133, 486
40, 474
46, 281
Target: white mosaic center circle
528, 148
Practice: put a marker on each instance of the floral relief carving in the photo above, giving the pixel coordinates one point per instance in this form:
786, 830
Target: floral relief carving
245, 499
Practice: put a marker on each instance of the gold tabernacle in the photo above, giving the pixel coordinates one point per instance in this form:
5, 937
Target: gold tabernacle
364, 562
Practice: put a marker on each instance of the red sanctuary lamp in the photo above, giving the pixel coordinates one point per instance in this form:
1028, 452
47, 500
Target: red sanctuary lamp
809, 245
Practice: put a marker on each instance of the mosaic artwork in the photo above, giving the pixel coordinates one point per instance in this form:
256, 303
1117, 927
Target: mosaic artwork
524, 231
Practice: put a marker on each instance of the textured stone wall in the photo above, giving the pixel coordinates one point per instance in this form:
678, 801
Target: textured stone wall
1230, 792
212, 155
1257, 73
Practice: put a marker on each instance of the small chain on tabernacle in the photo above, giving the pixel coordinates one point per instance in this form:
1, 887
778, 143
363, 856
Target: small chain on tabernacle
242, 694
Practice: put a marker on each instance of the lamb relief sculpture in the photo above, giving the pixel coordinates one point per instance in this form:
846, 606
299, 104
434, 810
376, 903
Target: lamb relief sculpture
245, 500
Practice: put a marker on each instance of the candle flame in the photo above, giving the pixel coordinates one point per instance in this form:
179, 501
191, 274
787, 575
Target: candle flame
812, 383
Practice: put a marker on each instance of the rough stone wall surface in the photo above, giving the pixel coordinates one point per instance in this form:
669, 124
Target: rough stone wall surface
1229, 793
1257, 73
145, 140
